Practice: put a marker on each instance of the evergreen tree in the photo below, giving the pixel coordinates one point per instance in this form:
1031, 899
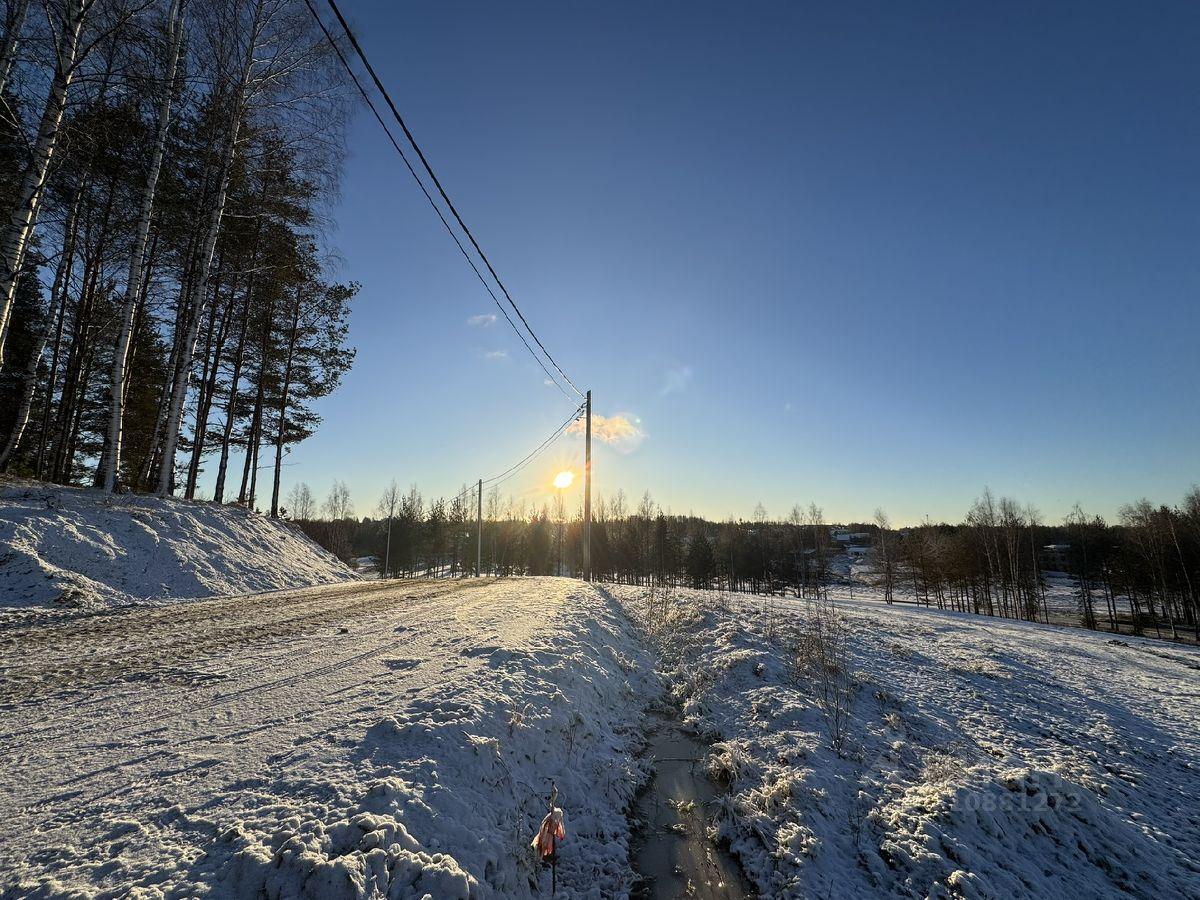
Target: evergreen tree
701, 561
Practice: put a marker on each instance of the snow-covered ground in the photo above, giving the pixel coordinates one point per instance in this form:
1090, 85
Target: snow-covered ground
983, 757
70, 547
370, 740
1063, 601
390, 739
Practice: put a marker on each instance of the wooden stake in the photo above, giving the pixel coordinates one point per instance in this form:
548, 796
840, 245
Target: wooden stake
553, 842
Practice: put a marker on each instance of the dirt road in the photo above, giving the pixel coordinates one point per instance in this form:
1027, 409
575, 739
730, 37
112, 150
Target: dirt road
134, 714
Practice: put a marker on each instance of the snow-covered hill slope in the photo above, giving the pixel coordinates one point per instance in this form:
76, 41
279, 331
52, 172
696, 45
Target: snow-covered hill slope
74, 547
983, 758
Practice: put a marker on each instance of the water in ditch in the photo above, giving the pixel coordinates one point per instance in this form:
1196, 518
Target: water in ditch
672, 852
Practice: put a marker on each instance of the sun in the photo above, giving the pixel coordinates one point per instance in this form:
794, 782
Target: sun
563, 479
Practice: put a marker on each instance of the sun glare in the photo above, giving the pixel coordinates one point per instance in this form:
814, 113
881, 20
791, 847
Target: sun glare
563, 479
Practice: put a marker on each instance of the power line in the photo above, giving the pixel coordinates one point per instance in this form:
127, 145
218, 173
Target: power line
441, 190
514, 469
558, 432
461, 249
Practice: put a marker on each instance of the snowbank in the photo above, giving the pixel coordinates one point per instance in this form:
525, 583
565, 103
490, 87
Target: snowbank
76, 547
983, 759
454, 783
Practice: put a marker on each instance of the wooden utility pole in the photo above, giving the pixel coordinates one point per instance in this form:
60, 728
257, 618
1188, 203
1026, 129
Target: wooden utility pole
387, 549
479, 532
587, 493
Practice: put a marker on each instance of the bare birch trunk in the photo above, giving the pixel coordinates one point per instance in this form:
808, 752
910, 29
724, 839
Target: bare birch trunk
12, 39
75, 371
58, 300
198, 434
164, 401
137, 257
213, 351
29, 383
234, 378
16, 232
200, 286
29, 375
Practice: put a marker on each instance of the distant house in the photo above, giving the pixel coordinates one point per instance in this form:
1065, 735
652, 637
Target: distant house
1055, 557
365, 563
858, 552
845, 536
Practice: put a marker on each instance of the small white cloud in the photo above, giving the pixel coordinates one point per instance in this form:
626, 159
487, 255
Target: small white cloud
623, 432
787, 406
547, 382
501, 355
483, 320
677, 379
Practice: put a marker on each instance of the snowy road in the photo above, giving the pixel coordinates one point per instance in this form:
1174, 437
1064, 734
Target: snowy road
139, 710
133, 738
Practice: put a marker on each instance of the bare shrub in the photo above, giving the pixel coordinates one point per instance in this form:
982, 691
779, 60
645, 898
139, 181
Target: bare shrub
822, 662
662, 609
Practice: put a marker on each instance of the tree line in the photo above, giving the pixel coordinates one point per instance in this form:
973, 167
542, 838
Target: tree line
1138, 574
165, 289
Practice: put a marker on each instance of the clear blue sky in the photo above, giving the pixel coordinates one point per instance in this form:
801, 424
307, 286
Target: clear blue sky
863, 254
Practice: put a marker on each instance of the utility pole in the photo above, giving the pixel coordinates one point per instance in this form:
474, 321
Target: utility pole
387, 551
479, 533
587, 493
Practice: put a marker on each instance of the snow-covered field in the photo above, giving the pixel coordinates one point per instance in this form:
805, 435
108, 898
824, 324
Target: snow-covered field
398, 740
385, 739
983, 758
1063, 601
70, 547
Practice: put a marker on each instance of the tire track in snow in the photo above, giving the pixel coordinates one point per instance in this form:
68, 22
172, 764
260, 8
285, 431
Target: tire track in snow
247, 634
427, 604
138, 632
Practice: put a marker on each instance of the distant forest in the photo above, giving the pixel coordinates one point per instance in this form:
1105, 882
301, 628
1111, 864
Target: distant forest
1139, 574
165, 294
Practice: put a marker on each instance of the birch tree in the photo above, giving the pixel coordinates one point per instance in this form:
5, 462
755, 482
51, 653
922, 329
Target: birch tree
234, 92
14, 237
174, 30
274, 73
14, 24
301, 504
